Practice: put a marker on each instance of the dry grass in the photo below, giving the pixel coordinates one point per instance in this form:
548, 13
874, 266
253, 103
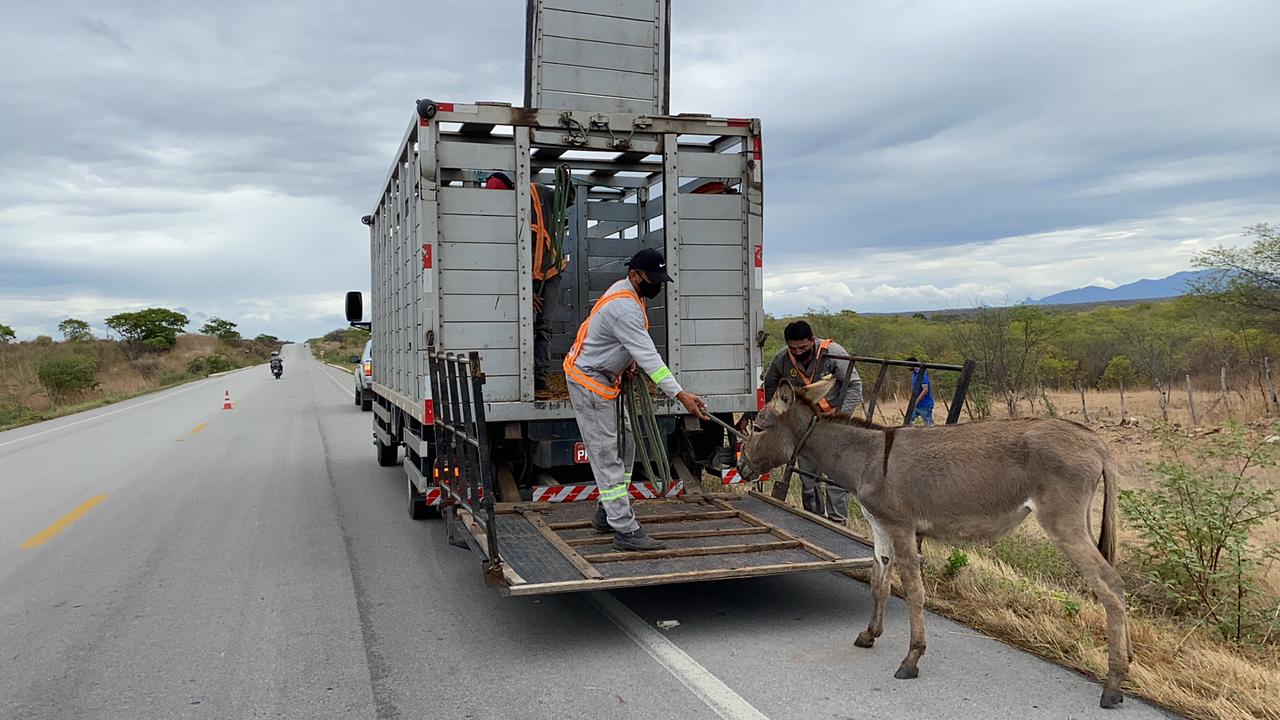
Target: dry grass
23, 400
1175, 666
1036, 602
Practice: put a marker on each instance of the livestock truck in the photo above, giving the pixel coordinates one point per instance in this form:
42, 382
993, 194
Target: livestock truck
452, 314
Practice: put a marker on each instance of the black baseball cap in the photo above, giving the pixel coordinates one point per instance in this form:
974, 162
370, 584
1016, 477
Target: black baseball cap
652, 263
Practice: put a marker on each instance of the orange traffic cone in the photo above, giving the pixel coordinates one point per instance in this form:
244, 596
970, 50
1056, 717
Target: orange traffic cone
226, 400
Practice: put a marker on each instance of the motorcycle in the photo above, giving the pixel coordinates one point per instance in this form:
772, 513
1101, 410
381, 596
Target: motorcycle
277, 370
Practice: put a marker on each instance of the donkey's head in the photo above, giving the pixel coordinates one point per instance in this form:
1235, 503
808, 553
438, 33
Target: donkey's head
778, 428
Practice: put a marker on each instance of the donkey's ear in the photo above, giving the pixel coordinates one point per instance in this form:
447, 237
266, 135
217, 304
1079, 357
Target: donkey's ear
784, 397
814, 392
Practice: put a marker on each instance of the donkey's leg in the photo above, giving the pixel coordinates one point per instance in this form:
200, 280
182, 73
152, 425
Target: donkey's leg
880, 581
1070, 532
904, 544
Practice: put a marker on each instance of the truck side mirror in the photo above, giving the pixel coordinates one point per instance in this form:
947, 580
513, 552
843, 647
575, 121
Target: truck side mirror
354, 359
355, 306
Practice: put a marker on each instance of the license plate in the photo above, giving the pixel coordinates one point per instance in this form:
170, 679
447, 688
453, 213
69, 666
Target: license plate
580, 453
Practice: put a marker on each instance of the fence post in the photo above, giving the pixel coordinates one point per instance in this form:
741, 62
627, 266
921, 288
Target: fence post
1271, 385
1083, 408
1226, 397
1191, 403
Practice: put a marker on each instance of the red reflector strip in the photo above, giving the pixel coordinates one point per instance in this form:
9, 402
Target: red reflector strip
431, 497
426, 256
731, 477
444, 107
739, 122
758, 147
429, 412
759, 256
760, 399
583, 493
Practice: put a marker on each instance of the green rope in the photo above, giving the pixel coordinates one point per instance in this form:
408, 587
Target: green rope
651, 447
559, 215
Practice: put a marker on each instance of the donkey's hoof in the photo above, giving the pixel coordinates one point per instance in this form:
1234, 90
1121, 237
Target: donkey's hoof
865, 639
1111, 698
906, 673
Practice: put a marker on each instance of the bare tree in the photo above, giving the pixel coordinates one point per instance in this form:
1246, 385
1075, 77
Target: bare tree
1007, 344
1250, 276
1150, 347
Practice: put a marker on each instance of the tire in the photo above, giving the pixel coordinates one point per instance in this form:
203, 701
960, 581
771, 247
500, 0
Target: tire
358, 399
386, 453
418, 510
366, 401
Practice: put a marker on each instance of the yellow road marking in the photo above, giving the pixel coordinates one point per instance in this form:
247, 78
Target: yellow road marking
45, 535
199, 427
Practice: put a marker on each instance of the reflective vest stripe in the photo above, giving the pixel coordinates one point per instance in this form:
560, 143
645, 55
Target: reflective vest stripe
817, 360
570, 360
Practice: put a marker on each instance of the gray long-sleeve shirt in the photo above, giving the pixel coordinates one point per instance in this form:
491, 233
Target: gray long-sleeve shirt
617, 335
781, 368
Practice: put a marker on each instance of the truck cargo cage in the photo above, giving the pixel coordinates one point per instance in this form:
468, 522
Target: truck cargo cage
462, 463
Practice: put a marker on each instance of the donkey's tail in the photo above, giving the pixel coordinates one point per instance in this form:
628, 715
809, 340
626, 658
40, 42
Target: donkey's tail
1107, 536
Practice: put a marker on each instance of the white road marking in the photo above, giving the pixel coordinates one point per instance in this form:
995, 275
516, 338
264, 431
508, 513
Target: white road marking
341, 387
193, 386
710, 689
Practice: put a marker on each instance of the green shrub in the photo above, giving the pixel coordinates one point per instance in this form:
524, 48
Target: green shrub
220, 363
1196, 554
209, 364
956, 561
1035, 557
63, 375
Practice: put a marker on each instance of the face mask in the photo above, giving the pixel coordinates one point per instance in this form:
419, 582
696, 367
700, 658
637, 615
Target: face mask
803, 357
649, 290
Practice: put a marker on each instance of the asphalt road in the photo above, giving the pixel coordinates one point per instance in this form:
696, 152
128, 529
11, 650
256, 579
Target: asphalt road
166, 558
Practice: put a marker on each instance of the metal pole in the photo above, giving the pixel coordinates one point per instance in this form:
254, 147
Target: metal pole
962, 391
482, 458
916, 384
875, 392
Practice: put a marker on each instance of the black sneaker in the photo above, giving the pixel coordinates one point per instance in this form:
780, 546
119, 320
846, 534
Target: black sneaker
600, 523
636, 540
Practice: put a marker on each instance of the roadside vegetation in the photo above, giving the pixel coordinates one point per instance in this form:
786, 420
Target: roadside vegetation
1184, 392
46, 378
337, 347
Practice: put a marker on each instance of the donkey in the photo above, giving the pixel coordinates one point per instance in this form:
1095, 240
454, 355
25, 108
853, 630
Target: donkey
971, 482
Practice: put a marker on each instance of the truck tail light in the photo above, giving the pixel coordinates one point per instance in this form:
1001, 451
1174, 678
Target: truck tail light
368, 368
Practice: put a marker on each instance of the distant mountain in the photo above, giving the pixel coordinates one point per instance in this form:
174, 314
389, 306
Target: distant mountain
1172, 286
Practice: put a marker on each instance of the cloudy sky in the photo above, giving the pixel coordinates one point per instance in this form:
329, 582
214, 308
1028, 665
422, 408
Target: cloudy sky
217, 156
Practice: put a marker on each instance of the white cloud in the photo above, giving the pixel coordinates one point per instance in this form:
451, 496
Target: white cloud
917, 155
1010, 268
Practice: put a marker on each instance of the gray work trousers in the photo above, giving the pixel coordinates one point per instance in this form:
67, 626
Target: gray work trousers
598, 424
821, 497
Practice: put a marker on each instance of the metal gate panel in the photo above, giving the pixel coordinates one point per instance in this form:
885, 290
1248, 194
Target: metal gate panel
598, 55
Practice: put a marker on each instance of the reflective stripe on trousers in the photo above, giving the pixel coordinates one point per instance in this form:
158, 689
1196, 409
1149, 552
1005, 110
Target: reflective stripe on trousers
598, 424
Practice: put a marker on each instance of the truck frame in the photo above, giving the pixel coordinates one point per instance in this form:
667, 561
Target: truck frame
452, 313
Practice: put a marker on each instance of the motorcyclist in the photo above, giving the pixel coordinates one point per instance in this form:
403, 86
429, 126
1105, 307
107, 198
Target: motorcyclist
277, 363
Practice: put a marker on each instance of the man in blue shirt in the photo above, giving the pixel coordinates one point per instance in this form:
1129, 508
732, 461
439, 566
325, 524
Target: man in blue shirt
924, 401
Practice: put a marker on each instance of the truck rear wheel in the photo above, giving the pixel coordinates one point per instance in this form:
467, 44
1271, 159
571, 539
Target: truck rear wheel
366, 400
418, 508
386, 453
